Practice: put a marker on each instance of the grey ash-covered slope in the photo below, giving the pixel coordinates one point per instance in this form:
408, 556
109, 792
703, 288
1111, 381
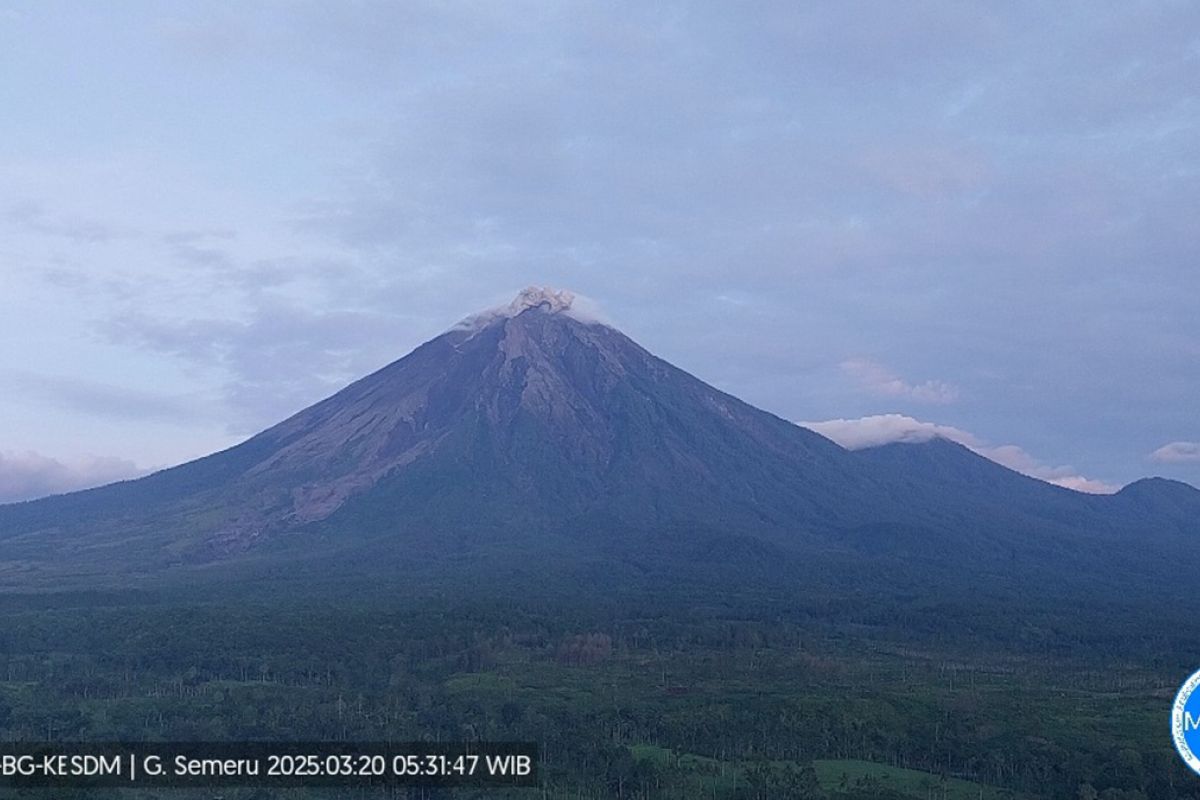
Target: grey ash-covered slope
534, 420
535, 414
528, 415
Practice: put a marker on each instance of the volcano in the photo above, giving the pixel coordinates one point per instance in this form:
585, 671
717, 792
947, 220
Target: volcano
535, 428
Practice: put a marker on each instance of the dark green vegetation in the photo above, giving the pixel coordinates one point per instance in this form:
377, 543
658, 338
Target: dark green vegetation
632, 693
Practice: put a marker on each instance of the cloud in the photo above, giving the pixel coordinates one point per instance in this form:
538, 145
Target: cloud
1015, 458
1177, 453
1082, 484
873, 431
101, 399
28, 475
31, 216
561, 301
277, 359
200, 247
878, 379
881, 429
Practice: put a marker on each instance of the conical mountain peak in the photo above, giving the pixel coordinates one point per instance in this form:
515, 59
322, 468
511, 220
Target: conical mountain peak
526, 416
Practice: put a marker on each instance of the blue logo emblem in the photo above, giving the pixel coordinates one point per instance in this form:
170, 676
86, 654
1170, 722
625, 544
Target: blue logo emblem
1185, 722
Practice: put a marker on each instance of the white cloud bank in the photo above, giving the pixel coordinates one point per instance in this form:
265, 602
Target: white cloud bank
878, 379
873, 431
1177, 453
24, 476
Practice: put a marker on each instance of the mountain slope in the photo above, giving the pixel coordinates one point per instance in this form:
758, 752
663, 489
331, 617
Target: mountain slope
533, 415
535, 431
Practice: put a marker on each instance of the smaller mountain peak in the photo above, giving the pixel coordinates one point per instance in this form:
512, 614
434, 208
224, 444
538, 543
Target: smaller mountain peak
1160, 486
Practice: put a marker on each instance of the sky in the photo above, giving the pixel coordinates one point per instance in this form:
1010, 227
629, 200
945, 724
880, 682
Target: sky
891, 221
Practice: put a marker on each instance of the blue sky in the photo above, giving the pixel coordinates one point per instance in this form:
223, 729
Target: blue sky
976, 220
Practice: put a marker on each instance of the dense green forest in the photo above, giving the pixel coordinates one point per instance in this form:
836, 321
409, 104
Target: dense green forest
700, 692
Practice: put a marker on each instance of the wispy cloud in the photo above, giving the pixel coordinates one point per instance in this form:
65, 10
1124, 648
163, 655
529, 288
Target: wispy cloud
1177, 453
33, 217
277, 359
878, 379
100, 399
881, 429
28, 475
200, 248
